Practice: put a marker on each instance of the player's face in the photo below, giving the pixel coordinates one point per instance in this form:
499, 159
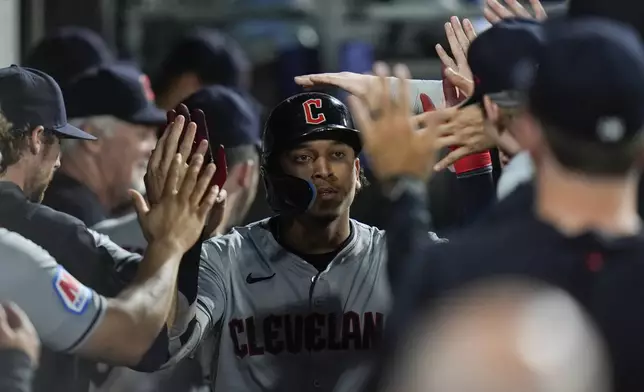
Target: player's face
332, 167
125, 155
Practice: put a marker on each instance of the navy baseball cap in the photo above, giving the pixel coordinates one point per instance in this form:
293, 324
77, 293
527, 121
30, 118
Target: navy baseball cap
497, 54
213, 56
29, 97
590, 80
119, 90
232, 120
69, 52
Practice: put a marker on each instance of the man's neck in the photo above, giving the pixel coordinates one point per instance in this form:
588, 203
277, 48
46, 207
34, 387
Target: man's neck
307, 235
87, 173
574, 203
16, 175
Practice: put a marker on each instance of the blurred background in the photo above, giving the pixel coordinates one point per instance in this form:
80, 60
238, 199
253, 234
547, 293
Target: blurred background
282, 38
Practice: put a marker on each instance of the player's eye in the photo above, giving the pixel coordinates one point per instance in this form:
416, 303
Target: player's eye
339, 155
302, 158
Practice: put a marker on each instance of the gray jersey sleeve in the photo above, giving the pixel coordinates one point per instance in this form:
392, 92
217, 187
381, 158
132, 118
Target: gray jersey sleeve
196, 322
64, 311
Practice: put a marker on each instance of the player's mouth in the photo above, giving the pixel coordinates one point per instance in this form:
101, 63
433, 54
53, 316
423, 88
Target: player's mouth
326, 192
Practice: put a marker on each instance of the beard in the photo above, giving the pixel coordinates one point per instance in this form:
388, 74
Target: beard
36, 193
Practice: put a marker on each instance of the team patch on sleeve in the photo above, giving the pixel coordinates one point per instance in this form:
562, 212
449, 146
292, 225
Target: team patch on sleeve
74, 295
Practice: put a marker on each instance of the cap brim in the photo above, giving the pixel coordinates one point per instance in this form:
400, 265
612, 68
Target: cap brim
150, 115
70, 132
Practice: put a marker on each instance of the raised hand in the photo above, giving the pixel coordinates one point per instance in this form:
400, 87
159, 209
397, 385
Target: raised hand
178, 137
456, 70
391, 138
494, 11
179, 217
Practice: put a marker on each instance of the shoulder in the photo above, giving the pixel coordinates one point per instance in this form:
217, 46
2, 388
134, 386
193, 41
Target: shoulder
14, 248
237, 239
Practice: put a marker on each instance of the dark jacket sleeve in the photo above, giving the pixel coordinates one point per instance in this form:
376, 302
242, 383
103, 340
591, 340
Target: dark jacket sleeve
91, 257
408, 226
16, 371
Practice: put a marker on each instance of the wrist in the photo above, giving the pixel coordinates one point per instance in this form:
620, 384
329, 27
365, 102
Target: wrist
166, 246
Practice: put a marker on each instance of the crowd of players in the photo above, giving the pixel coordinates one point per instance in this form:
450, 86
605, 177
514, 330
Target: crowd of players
122, 249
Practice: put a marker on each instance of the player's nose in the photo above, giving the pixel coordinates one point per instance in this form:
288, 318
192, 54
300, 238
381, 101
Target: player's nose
322, 168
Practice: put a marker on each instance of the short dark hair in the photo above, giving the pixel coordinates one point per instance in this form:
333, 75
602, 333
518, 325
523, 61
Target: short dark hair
593, 158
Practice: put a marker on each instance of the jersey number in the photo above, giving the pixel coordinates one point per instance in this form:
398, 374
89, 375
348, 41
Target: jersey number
319, 118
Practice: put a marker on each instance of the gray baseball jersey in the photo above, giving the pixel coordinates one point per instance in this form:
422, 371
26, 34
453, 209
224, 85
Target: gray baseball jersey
281, 324
63, 310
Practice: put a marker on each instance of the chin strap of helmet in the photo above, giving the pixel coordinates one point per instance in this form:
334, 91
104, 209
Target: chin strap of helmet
288, 194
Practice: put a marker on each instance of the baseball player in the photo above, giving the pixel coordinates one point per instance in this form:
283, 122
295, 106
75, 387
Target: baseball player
295, 300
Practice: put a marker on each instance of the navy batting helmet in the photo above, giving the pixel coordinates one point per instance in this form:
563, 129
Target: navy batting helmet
300, 118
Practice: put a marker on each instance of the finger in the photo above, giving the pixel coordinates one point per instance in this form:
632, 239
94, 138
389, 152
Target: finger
450, 158
381, 70
188, 140
490, 16
17, 318
171, 144
202, 183
183, 110
539, 11
303, 80
454, 45
171, 116
5, 329
362, 118
449, 90
461, 82
518, 9
463, 41
402, 73
157, 154
470, 31
199, 118
221, 175
140, 205
437, 118
499, 9
444, 57
191, 177
174, 173
208, 202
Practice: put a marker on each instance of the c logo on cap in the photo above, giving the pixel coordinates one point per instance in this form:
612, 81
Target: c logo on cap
308, 111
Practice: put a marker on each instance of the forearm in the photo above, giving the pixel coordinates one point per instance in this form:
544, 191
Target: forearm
147, 301
133, 319
408, 223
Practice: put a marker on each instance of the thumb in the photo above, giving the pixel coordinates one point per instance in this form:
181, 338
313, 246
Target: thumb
458, 80
140, 205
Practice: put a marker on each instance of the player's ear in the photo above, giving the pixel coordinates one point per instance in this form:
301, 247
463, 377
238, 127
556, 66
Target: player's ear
35, 140
358, 174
